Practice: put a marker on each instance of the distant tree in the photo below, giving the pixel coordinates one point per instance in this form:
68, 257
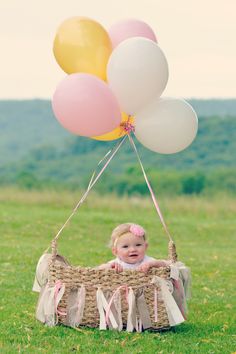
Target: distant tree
27, 180
133, 170
193, 184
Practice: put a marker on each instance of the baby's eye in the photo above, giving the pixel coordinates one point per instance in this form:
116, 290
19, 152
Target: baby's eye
125, 246
138, 244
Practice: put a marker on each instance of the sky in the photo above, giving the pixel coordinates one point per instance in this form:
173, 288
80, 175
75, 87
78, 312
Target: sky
197, 37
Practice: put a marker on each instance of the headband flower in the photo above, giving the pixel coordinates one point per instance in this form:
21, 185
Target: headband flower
137, 230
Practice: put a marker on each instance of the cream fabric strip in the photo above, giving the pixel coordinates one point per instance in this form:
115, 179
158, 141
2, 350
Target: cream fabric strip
179, 269
47, 305
155, 305
143, 310
41, 274
102, 305
131, 320
75, 307
102, 323
140, 327
117, 303
187, 280
174, 314
81, 305
182, 285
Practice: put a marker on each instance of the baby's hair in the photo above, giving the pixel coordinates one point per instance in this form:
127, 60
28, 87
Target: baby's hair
124, 229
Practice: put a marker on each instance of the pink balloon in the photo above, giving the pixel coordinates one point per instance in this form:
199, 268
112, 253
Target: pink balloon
85, 105
123, 30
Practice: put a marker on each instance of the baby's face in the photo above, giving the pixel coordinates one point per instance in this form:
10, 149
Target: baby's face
130, 248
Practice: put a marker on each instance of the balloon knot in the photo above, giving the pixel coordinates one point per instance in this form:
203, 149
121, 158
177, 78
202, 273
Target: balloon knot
128, 127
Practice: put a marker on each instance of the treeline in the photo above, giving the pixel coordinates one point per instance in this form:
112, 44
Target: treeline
30, 124
169, 182
37, 153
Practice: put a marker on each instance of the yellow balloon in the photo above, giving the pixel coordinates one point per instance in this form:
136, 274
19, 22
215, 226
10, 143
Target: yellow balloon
117, 132
82, 45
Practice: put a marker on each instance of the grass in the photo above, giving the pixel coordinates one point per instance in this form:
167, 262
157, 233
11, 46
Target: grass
204, 231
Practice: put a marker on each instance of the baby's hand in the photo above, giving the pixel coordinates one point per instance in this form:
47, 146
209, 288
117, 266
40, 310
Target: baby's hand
144, 267
117, 267
161, 264
152, 264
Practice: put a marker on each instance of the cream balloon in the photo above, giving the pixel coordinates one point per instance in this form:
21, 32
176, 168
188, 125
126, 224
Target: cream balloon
137, 72
167, 125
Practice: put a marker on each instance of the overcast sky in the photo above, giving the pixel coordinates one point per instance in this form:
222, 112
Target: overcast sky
198, 38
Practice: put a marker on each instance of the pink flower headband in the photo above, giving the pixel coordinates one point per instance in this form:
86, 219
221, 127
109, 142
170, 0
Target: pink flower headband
137, 230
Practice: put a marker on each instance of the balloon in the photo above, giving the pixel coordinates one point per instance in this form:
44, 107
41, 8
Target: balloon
123, 30
118, 132
85, 105
137, 72
82, 45
167, 125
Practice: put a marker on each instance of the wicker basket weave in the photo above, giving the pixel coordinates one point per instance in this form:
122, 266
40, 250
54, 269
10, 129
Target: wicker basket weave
109, 281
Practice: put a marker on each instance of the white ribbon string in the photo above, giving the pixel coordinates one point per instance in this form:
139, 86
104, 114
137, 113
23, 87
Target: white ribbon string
150, 188
92, 182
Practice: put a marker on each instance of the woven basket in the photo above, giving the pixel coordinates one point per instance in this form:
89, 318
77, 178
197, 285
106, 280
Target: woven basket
109, 281
76, 296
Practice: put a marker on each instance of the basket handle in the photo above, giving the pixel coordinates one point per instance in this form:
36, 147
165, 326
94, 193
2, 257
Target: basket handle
54, 250
172, 255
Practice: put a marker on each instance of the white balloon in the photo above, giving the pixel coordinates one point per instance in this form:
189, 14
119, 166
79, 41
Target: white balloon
137, 72
167, 125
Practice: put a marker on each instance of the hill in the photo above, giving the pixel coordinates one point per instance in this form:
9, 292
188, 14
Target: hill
30, 124
35, 149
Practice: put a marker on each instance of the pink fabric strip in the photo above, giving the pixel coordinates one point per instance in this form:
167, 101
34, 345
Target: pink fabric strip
155, 305
61, 313
58, 286
112, 299
150, 188
176, 284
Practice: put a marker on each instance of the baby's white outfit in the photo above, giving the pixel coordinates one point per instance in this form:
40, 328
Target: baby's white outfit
133, 265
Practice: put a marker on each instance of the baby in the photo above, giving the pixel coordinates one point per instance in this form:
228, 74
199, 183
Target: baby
129, 244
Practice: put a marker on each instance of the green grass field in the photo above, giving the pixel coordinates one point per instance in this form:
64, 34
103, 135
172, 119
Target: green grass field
204, 231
